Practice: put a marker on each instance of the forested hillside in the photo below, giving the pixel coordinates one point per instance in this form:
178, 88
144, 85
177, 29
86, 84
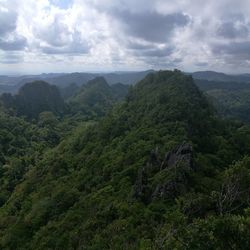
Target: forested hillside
34, 98
159, 170
30, 124
231, 99
97, 97
11, 84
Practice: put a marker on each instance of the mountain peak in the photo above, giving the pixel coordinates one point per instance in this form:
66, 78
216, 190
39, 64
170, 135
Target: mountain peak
99, 80
36, 97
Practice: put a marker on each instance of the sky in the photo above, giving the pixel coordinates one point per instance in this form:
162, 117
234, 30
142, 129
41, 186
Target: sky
39, 36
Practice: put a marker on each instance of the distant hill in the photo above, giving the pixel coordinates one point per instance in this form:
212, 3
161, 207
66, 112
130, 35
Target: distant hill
69, 90
229, 93
12, 84
126, 77
34, 98
77, 78
111, 78
97, 96
95, 91
231, 99
217, 76
119, 90
159, 171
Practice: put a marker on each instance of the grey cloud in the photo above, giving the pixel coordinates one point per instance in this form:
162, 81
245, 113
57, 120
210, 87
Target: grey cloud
7, 21
60, 40
11, 58
16, 43
161, 63
150, 26
65, 50
231, 30
239, 50
9, 39
201, 64
155, 52
159, 58
148, 50
137, 46
77, 46
57, 34
143, 30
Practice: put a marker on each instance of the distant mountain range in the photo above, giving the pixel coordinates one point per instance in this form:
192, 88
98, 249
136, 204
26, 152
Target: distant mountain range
158, 170
32, 99
218, 76
13, 83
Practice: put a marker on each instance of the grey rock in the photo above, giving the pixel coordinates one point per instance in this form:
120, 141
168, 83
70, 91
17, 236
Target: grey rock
140, 184
183, 153
178, 162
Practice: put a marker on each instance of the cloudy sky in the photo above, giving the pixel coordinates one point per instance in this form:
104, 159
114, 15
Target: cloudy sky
105, 35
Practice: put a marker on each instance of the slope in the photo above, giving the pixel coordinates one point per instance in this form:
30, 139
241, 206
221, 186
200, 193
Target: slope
231, 99
97, 97
34, 98
114, 186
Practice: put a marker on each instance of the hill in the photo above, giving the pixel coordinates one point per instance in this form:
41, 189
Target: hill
34, 98
231, 99
12, 84
160, 171
218, 76
97, 97
24, 140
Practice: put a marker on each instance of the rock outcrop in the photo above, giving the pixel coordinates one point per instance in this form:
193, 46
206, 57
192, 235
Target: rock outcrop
183, 154
175, 167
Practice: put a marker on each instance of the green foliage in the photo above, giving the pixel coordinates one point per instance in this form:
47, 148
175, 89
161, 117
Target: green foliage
231, 99
34, 98
80, 193
96, 98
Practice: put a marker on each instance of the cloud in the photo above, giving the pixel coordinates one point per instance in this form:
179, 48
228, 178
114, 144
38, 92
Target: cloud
56, 37
11, 57
10, 40
13, 44
239, 50
64, 4
232, 30
154, 52
7, 21
150, 26
117, 34
55, 32
77, 47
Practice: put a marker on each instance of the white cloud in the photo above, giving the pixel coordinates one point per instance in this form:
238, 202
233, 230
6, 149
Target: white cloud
80, 35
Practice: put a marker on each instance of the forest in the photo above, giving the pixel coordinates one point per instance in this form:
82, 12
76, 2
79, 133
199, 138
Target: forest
160, 164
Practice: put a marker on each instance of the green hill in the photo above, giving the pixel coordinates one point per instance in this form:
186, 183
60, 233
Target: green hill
160, 171
231, 99
34, 98
97, 97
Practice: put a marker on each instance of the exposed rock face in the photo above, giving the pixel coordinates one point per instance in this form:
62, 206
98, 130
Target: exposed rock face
140, 184
141, 190
181, 154
175, 166
164, 190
